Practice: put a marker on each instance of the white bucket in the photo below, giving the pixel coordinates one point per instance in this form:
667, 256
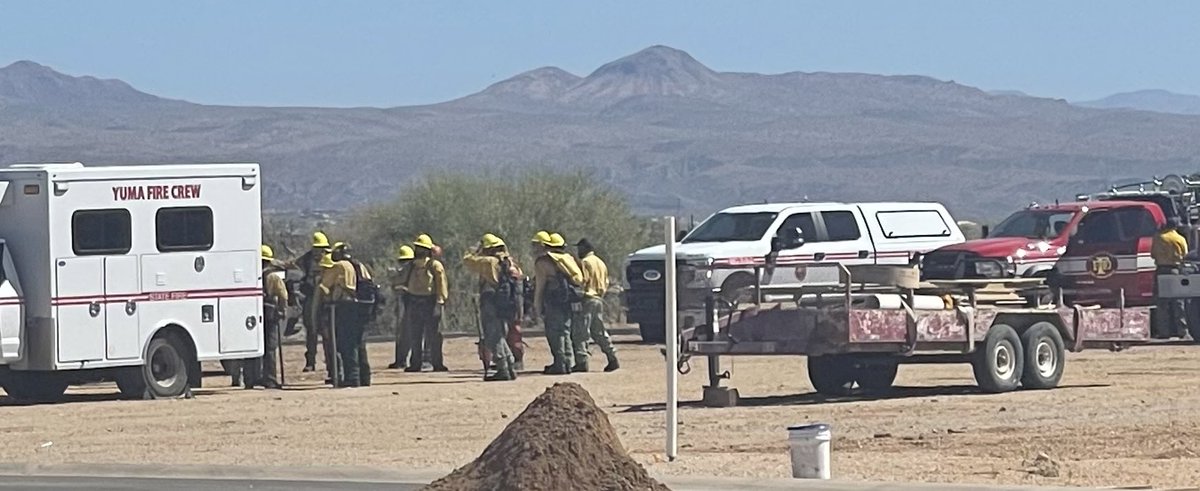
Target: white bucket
809, 446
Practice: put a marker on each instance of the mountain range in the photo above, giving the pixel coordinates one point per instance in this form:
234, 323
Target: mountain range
1149, 100
675, 135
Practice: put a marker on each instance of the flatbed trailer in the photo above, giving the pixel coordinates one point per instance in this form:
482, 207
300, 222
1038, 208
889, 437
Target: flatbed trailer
857, 332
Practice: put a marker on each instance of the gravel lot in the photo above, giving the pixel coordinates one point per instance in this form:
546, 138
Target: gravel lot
1120, 419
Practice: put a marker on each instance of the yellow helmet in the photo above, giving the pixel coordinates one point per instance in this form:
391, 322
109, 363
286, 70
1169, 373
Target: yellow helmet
326, 260
542, 237
405, 252
266, 252
339, 246
556, 240
490, 241
424, 241
320, 240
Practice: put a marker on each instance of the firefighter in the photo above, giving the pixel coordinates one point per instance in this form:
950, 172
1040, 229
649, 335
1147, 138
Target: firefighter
362, 310
588, 322
556, 275
1168, 249
334, 290
397, 279
263, 371
427, 293
310, 265
498, 302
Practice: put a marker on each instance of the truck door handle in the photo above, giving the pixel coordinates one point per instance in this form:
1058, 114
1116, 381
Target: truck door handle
820, 256
863, 254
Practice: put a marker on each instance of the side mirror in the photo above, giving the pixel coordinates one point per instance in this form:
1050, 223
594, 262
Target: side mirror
680, 235
787, 239
985, 230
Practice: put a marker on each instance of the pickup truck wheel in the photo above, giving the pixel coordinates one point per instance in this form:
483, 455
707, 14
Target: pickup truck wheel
653, 333
998, 364
876, 377
738, 288
166, 369
1044, 356
831, 375
36, 386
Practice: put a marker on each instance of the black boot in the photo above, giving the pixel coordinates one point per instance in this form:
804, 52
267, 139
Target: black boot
613, 364
581, 367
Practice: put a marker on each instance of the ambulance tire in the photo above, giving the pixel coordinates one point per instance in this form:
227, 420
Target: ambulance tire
832, 375
166, 370
36, 386
1044, 356
999, 363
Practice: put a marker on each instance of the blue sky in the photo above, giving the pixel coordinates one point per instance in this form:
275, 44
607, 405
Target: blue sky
388, 53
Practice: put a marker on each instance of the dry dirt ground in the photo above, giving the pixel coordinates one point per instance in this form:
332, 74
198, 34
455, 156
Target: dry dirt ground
1130, 418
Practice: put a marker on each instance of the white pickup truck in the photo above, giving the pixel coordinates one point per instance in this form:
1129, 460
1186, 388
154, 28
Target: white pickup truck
802, 233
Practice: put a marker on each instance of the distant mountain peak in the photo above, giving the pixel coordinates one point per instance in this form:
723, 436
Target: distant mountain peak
655, 71
30, 82
540, 84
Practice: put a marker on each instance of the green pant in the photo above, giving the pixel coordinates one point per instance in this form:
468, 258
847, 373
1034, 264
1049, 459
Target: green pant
495, 332
558, 335
588, 324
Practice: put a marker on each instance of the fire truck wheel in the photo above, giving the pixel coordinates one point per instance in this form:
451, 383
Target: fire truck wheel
998, 364
166, 368
36, 386
876, 377
831, 375
1044, 356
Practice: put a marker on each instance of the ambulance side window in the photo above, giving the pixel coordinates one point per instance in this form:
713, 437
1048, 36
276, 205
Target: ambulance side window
184, 229
101, 232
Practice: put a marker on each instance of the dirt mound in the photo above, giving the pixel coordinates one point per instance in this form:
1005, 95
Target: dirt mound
562, 441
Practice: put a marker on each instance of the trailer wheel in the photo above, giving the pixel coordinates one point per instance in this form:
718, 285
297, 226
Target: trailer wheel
165, 372
831, 375
998, 365
1044, 356
36, 386
876, 377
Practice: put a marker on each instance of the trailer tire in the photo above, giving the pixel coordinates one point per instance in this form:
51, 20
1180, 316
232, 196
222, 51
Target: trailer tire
998, 366
1044, 356
876, 377
35, 386
165, 372
831, 375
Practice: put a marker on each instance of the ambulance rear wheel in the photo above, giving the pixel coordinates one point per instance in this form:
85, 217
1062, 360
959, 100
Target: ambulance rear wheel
131, 382
166, 369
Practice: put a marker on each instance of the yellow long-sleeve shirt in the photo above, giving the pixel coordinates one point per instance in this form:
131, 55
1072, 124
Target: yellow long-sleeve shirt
487, 267
1168, 248
546, 267
275, 289
337, 283
427, 276
595, 276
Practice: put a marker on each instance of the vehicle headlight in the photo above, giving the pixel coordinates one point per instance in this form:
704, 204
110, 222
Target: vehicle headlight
989, 269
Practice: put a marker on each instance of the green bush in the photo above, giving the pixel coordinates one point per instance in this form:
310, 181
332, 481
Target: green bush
457, 209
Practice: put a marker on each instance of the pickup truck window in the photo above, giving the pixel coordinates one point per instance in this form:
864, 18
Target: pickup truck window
906, 224
803, 221
1121, 225
841, 225
732, 227
1034, 224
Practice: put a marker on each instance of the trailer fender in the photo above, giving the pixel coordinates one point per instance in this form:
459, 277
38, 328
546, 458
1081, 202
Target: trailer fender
1021, 322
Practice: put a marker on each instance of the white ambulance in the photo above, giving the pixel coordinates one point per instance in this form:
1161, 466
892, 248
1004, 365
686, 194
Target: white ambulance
131, 273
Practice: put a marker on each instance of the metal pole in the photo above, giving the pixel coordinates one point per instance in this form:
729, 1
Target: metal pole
672, 328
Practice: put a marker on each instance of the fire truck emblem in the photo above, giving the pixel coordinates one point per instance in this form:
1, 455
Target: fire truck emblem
1102, 265
801, 272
